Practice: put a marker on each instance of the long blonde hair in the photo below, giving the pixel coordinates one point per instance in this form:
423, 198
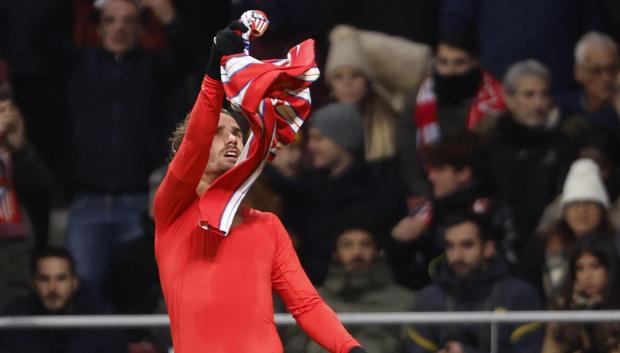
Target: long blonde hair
379, 127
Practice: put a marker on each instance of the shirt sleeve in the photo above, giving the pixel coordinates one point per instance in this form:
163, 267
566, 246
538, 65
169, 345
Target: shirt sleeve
302, 299
178, 189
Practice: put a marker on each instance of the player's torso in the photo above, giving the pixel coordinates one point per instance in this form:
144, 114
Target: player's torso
218, 289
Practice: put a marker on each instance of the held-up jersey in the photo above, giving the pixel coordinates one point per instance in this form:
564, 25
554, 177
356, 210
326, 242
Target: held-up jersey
219, 289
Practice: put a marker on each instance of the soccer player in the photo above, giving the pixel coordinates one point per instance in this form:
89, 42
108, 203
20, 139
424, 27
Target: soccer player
219, 289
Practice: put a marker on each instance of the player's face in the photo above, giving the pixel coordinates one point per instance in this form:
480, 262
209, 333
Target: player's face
226, 146
54, 283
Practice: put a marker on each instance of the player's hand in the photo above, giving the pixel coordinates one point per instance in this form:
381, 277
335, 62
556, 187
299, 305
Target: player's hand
226, 42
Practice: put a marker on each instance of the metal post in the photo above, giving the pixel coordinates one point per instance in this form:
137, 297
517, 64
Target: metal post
494, 337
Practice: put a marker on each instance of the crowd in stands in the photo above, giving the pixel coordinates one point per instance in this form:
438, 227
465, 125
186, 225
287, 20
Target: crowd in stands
461, 155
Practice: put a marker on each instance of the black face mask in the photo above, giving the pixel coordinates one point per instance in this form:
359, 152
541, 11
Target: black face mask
454, 89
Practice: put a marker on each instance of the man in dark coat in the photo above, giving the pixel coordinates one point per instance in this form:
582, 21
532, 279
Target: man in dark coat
117, 99
57, 291
457, 178
473, 279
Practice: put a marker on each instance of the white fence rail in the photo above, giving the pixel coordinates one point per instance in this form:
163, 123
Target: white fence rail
129, 321
494, 318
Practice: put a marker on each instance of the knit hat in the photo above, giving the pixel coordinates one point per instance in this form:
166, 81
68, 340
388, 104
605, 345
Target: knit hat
345, 50
342, 123
584, 183
394, 65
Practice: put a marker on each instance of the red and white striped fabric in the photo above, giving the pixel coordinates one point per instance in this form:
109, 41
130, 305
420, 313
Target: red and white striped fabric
11, 221
275, 97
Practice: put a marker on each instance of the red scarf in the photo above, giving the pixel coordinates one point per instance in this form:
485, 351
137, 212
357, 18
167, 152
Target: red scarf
488, 100
11, 221
275, 97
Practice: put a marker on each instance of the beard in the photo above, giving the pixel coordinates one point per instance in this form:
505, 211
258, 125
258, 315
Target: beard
453, 89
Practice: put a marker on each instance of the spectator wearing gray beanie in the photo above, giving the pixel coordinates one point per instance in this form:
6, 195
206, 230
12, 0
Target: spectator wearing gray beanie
342, 123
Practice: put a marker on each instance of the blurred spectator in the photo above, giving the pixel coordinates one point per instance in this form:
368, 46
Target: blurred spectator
510, 31
376, 72
456, 173
202, 20
137, 291
584, 206
601, 146
358, 280
596, 66
23, 170
25, 185
57, 291
473, 278
528, 150
337, 179
593, 286
117, 96
37, 76
457, 97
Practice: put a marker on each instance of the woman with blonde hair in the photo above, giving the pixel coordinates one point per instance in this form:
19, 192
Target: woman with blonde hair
377, 72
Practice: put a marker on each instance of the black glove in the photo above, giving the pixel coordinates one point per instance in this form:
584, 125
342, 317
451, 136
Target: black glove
226, 42
357, 350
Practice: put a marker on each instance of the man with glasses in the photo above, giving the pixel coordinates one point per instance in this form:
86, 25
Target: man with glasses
596, 65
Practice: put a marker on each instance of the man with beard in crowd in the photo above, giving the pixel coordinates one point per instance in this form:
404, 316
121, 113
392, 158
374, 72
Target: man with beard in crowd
57, 291
473, 278
359, 280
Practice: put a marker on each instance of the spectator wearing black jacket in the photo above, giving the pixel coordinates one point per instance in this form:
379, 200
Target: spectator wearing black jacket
57, 291
117, 98
528, 147
473, 278
25, 185
455, 168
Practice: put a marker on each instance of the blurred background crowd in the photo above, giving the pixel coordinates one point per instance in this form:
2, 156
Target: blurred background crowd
461, 155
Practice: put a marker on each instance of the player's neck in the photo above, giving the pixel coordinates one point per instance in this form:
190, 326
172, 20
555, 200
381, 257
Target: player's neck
205, 181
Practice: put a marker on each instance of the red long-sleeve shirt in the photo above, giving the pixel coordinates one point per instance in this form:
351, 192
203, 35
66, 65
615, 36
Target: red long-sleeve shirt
219, 289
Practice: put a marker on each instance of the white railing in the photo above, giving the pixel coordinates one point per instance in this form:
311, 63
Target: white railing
433, 318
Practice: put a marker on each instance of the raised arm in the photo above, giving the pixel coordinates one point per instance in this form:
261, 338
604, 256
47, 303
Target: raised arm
178, 189
303, 301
